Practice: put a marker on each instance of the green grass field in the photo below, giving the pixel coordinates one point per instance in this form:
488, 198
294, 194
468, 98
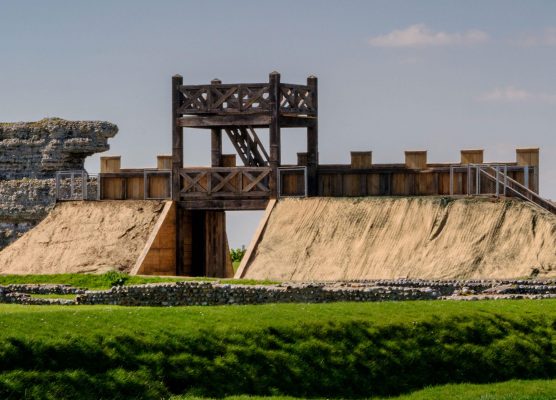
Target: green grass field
511, 390
54, 296
107, 280
340, 350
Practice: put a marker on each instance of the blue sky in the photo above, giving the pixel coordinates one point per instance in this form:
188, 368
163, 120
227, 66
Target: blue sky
393, 75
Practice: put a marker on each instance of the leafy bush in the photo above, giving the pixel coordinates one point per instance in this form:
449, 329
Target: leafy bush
340, 350
237, 254
115, 278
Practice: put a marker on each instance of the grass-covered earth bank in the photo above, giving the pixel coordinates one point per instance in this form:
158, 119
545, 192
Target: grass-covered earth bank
353, 350
109, 279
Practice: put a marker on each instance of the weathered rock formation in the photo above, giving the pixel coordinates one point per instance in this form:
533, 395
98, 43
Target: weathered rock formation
30, 155
39, 149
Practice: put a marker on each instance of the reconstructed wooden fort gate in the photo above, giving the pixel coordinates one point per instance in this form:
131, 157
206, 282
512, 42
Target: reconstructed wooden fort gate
191, 238
203, 195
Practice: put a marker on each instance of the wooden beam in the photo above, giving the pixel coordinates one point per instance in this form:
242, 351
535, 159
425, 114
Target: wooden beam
132, 174
313, 142
177, 137
224, 205
177, 164
216, 138
297, 121
216, 249
274, 131
221, 121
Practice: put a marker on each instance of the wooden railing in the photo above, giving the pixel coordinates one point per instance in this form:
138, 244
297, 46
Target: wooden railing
511, 187
244, 98
224, 182
296, 99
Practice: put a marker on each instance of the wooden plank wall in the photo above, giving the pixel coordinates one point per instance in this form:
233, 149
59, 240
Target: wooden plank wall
394, 182
292, 183
187, 244
132, 187
159, 255
159, 186
336, 182
205, 250
217, 252
135, 189
113, 189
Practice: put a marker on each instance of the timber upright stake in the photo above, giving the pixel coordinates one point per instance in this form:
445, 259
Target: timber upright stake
216, 138
274, 132
177, 137
177, 165
216, 249
313, 140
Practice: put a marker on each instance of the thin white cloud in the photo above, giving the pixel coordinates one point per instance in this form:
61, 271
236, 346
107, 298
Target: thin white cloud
411, 61
420, 35
546, 38
508, 94
511, 94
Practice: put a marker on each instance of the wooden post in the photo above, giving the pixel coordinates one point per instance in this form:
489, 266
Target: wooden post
216, 139
177, 138
177, 165
215, 221
216, 249
302, 159
529, 157
313, 142
274, 131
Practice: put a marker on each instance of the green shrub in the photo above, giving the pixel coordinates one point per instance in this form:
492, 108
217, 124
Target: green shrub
339, 350
115, 278
237, 254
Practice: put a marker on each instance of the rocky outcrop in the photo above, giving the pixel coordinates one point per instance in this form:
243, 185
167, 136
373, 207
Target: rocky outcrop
30, 155
39, 149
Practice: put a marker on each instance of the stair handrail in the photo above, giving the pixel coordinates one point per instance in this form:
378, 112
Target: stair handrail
530, 196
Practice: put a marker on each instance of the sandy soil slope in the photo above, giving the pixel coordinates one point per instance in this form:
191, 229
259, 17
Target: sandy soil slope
375, 238
83, 237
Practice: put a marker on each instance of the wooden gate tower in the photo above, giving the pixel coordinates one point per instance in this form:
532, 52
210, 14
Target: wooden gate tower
202, 195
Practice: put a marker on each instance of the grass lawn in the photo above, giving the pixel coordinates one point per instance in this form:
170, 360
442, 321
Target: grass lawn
54, 296
107, 280
339, 350
511, 390
235, 265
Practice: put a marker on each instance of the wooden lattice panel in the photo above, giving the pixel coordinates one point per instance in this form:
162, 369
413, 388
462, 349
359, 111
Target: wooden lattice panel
224, 182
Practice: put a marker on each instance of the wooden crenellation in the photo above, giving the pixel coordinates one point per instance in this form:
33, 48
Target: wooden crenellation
110, 164
472, 156
361, 159
416, 159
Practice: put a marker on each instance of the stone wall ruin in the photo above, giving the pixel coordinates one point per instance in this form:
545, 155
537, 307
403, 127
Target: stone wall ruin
30, 155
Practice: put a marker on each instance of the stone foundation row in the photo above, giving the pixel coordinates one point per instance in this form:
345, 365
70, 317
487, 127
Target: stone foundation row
214, 293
